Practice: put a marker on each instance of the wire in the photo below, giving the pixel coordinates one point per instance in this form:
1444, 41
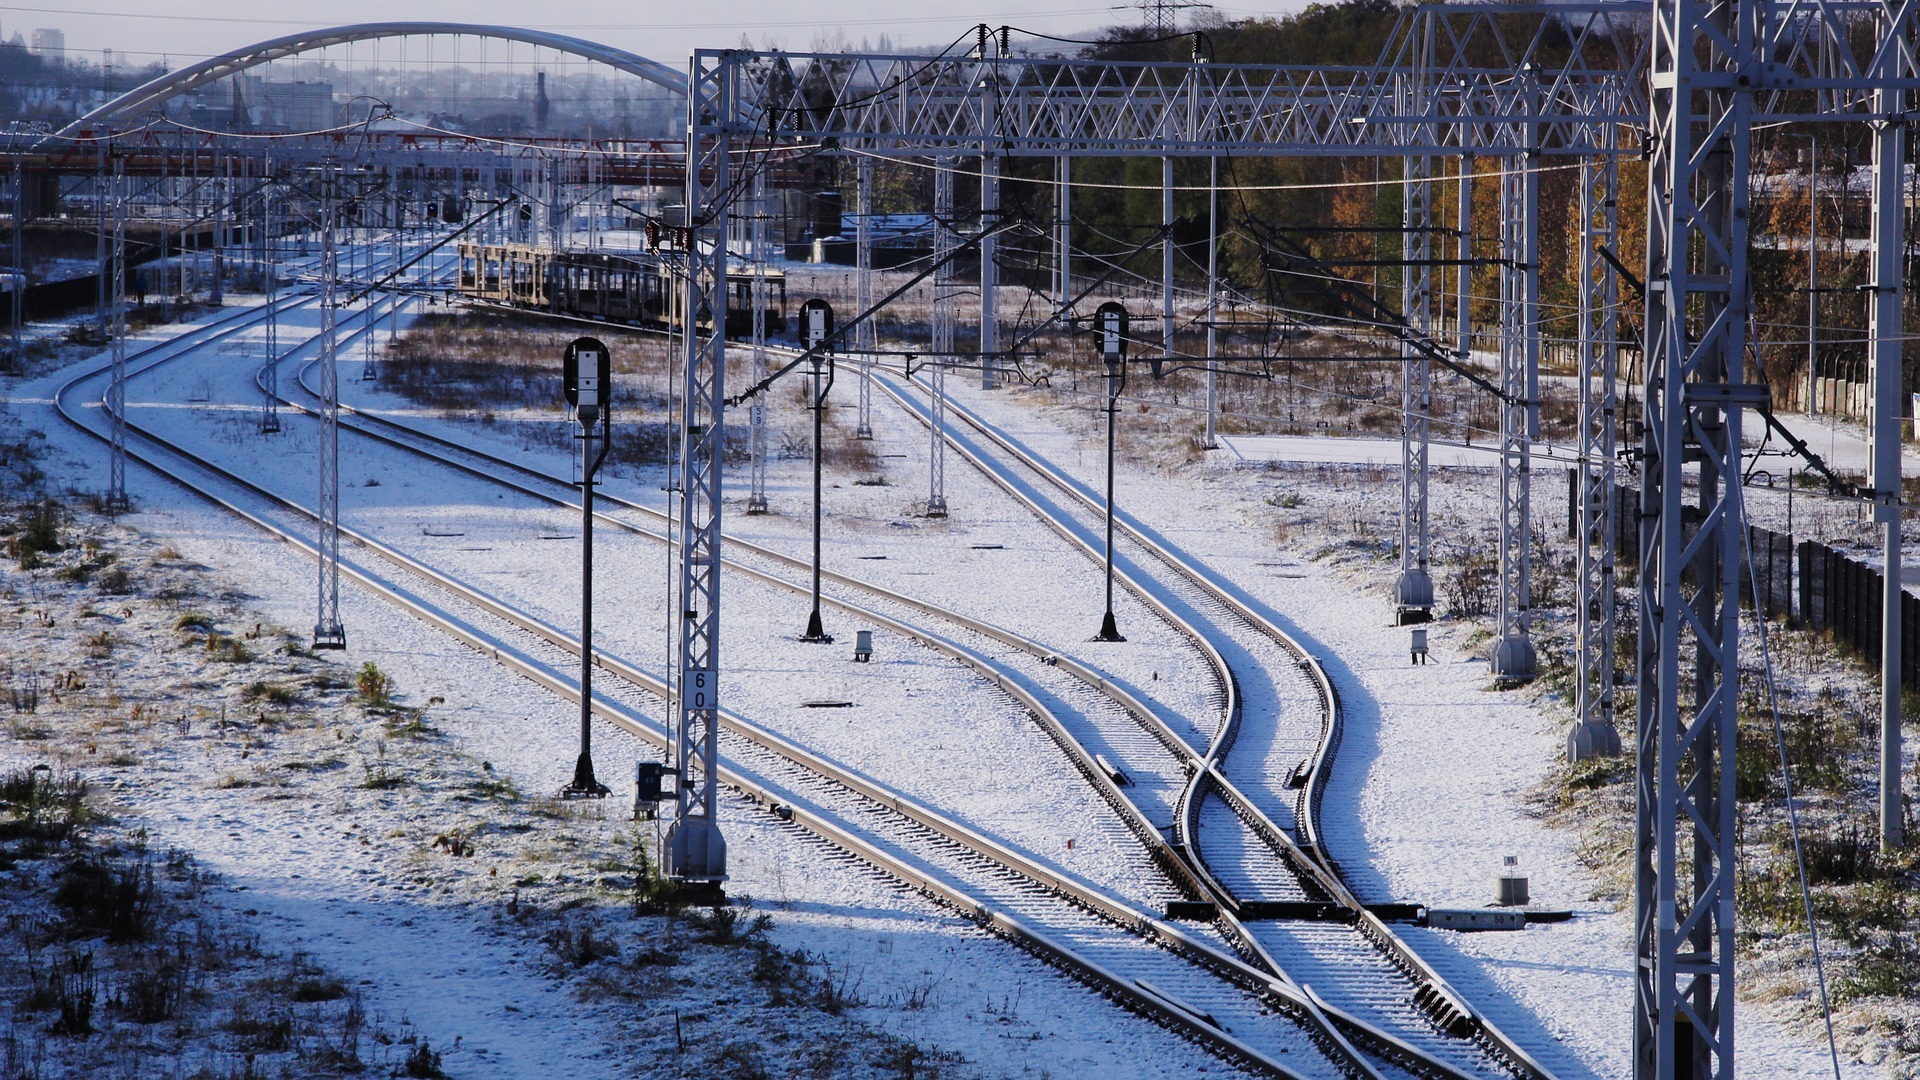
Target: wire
1115, 41
899, 82
1738, 492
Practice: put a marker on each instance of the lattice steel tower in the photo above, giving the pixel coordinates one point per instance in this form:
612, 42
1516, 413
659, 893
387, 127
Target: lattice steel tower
117, 388
327, 631
944, 237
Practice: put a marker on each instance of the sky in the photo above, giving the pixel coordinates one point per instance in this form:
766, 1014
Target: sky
182, 31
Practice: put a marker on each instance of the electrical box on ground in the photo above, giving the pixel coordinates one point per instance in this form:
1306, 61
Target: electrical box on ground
1511, 886
649, 789
862, 646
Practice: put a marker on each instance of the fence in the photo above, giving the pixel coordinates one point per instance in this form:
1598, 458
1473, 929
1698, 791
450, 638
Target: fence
1810, 585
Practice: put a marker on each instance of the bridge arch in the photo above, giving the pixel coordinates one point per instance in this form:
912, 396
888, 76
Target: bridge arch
141, 98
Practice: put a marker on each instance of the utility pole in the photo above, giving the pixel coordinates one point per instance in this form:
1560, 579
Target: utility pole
17, 292
1166, 257
1213, 303
1685, 858
989, 87
1594, 733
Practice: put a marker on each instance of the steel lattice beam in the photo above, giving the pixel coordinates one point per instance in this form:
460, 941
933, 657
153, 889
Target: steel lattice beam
1886, 332
117, 388
1413, 591
945, 239
1594, 733
757, 408
696, 851
327, 631
1513, 658
1703, 55
863, 296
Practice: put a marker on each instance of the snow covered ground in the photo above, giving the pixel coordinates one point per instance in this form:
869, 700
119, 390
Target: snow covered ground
1430, 790
1007, 1015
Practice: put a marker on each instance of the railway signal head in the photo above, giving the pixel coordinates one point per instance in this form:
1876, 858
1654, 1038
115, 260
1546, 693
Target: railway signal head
587, 372
1110, 323
816, 322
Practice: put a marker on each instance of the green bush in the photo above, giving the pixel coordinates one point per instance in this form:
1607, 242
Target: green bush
40, 530
376, 687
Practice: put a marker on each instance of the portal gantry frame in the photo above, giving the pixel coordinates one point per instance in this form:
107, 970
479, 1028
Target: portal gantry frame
1789, 61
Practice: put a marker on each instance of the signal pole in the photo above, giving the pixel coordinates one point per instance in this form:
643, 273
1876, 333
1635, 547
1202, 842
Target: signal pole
1110, 337
588, 370
816, 324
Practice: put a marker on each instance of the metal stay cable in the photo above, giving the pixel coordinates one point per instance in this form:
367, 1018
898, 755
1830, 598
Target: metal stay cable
1786, 777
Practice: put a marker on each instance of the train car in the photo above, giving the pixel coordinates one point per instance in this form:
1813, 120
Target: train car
633, 289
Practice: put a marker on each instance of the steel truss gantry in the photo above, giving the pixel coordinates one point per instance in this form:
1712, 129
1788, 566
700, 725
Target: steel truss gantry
695, 850
863, 341
328, 633
270, 284
945, 239
757, 408
1594, 733
991, 106
1413, 590
1709, 64
1717, 66
1514, 659
116, 498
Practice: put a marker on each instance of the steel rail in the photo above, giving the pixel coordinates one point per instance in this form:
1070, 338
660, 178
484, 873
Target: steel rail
1202, 768
1446, 1008
1168, 858
1142, 998
1436, 995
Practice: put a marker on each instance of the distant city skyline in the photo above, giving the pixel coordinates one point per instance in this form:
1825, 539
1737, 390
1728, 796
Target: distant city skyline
183, 31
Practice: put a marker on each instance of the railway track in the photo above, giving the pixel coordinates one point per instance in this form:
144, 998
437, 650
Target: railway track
1265, 872
1248, 844
1278, 862
1247, 870
1136, 718
1149, 964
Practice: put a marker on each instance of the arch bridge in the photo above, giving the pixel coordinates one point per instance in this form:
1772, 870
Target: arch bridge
152, 93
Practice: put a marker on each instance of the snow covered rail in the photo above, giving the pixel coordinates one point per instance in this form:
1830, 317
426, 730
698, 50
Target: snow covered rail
1174, 863
1137, 991
1310, 856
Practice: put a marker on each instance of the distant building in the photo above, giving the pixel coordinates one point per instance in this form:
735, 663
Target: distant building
50, 44
287, 106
